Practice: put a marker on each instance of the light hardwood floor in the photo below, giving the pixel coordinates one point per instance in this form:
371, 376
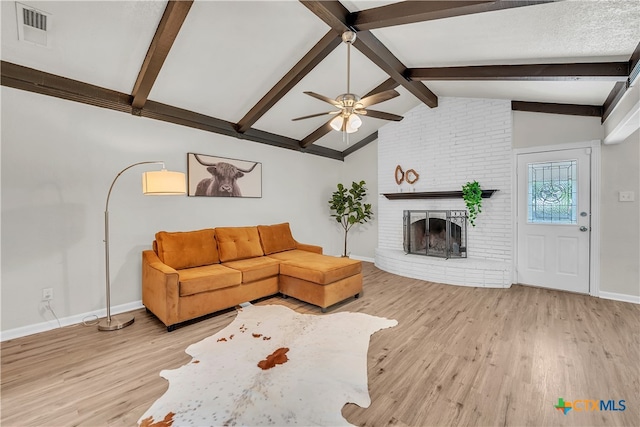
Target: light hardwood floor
459, 356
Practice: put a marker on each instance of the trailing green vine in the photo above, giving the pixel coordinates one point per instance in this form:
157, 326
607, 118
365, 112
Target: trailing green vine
472, 195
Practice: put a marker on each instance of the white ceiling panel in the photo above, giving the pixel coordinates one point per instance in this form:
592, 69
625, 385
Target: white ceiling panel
99, 42
561, 92
228, 55
566, 31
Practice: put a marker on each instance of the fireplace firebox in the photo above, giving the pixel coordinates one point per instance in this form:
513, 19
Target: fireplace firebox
436, 233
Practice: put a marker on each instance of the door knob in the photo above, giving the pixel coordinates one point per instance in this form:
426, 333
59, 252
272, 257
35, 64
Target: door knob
583, 228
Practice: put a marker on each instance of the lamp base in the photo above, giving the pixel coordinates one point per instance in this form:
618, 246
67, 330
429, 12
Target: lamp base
116, 322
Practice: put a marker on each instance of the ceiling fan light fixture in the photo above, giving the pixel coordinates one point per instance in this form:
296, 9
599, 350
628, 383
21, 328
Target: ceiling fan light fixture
336, 123
353, 123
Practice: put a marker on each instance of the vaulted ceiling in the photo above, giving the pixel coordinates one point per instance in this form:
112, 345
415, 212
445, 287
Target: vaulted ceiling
240, 68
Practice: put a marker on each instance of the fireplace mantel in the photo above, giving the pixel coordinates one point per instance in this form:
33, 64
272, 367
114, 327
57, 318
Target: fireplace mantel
433, 195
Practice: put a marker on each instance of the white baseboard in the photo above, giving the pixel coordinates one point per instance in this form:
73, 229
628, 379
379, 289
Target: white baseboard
66, 321
620, 297
362, 258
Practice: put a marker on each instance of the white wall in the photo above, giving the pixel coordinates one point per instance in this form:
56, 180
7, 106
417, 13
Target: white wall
359, 166
58, 160
620, 221
538, 129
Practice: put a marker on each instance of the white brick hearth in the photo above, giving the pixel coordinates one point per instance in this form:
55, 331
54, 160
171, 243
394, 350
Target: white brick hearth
461, 140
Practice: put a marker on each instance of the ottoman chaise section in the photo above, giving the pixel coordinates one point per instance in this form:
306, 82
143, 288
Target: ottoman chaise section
320, 279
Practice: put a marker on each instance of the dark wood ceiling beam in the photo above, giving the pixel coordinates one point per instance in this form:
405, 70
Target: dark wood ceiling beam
334, 14
384, 86
615, 71
634, 65
174, 15
31, 80
620, 88
373, 49
319, 52
171, 114
360, 144
408, 12
551, 108
315, 135
324, 129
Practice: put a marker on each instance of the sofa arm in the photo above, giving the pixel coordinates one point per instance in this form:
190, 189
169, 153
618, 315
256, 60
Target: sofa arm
309, 248
159, 288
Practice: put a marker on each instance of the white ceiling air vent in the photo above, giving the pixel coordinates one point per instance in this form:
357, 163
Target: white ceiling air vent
33, 25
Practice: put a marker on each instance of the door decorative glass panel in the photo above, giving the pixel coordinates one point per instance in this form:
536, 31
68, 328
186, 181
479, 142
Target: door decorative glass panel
552, 192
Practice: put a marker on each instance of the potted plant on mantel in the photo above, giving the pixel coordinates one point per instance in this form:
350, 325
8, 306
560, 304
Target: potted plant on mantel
347, 207
472, 195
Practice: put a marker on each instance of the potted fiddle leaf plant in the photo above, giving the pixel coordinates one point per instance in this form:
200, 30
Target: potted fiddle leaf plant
472, 195
348, 209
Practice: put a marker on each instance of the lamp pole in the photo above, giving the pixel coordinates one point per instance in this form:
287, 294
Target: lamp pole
114, 323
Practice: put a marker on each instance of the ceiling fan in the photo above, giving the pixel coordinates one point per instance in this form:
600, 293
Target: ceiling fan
350, 106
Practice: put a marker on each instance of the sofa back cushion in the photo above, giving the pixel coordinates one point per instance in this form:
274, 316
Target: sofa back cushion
186, 249
238, 243
276, 238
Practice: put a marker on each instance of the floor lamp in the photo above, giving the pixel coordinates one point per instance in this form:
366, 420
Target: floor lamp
157, 183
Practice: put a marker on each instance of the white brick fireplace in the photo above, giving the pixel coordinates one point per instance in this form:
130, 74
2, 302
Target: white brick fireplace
461, 140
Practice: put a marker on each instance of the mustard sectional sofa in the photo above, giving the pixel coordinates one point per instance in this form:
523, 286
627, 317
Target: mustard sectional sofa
193, 273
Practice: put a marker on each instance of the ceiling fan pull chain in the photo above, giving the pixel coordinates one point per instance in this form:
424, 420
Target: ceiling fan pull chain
348, 67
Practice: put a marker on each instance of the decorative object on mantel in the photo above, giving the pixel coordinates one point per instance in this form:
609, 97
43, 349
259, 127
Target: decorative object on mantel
348, 209
399, 175
433, 195
411, 176
472, 195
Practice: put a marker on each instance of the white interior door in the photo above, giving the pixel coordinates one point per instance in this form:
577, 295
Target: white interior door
554, 213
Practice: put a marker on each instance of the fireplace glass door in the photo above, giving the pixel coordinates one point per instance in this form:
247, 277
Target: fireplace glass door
436, 233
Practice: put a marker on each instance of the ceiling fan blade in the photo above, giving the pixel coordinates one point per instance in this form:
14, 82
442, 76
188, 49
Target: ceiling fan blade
324, 98
378, 97
314, 115
380, 115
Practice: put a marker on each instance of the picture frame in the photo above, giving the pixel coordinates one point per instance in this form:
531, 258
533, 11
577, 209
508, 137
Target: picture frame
214, 176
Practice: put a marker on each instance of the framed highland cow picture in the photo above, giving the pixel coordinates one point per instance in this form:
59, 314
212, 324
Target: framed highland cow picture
212, 176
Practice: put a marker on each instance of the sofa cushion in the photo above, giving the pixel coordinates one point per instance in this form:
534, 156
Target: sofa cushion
238, 243
321, 269
253, 269
290, 255
187, 249
207, 278
276, 238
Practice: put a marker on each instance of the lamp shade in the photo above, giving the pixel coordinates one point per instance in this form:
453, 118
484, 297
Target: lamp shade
163, 183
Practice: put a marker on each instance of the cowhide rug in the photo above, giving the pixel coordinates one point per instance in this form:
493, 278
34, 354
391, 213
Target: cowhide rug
271, 366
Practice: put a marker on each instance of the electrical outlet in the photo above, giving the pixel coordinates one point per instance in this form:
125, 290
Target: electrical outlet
626, 196
47, 294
